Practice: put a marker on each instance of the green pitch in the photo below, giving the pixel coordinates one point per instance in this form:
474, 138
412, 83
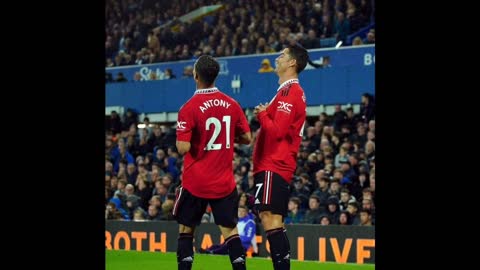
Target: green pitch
134, 260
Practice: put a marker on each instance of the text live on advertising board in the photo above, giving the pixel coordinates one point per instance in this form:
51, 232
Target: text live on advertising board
342, 244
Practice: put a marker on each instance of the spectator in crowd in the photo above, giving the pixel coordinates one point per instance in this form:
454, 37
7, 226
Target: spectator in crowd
152, 76
313, 215
324, 220
371, 126
131, 173
154, 213
368, 205
361, 135
333, 210
112, 213
370, 38
353, 208
114, 124
295, 214
322, 191
130, 118
335, 188
357, 41
187, 72
365, 218
326, 62
367, 107
144, 191
246, 200
132, 205
345, 199
342, 156
115, 210
266, 66
121, 77
312, 42
168, 183
300, 191
344, 218
156, 201
169, 74
160, 190
139, 215
342, 26
167, 207
370, 149
120, 192
137, 76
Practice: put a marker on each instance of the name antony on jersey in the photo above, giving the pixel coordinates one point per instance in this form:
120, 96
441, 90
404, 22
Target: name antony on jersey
214, 102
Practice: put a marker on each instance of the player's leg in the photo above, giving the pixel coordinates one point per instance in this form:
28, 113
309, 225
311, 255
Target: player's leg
271, 201
218, 249
277, 237
225, 213
185, 247
188, 211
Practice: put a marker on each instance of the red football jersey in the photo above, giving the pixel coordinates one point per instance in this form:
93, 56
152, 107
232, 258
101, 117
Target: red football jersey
210, 121
281, 130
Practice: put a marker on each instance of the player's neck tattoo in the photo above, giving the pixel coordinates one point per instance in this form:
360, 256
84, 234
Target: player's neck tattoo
206, 90
287, 82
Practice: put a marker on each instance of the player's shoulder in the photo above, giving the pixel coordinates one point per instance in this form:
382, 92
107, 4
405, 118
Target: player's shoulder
292, 90
189, 103
296, 89
229, 99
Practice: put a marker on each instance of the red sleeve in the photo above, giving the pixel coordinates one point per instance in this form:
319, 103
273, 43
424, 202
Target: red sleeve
284, 116
242, 126
185, 124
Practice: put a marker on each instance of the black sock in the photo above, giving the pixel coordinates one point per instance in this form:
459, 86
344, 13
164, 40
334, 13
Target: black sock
185, 251
279, 248
236, 252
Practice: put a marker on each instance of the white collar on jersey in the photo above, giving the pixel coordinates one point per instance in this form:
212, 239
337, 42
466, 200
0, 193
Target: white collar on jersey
207, 90
287, 83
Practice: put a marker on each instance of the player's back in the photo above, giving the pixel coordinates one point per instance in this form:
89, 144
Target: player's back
208, 169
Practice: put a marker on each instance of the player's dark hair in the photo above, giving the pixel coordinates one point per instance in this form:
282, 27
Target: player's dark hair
299, 53
207, 69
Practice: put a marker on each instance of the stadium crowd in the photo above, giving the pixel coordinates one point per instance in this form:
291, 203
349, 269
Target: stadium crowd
149, 31
334, 182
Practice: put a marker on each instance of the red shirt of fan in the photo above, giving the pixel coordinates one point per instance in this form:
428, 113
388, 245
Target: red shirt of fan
281, 131
210, 121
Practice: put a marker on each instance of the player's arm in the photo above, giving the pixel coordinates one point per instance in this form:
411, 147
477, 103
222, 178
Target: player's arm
283, 118
245, 138
243, 129
183, 147
185, 125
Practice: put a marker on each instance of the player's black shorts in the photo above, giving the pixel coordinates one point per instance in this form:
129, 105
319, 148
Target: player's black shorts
272, 193
188, 209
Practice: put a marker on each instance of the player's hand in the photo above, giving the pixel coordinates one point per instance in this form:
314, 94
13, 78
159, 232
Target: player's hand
259, 108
